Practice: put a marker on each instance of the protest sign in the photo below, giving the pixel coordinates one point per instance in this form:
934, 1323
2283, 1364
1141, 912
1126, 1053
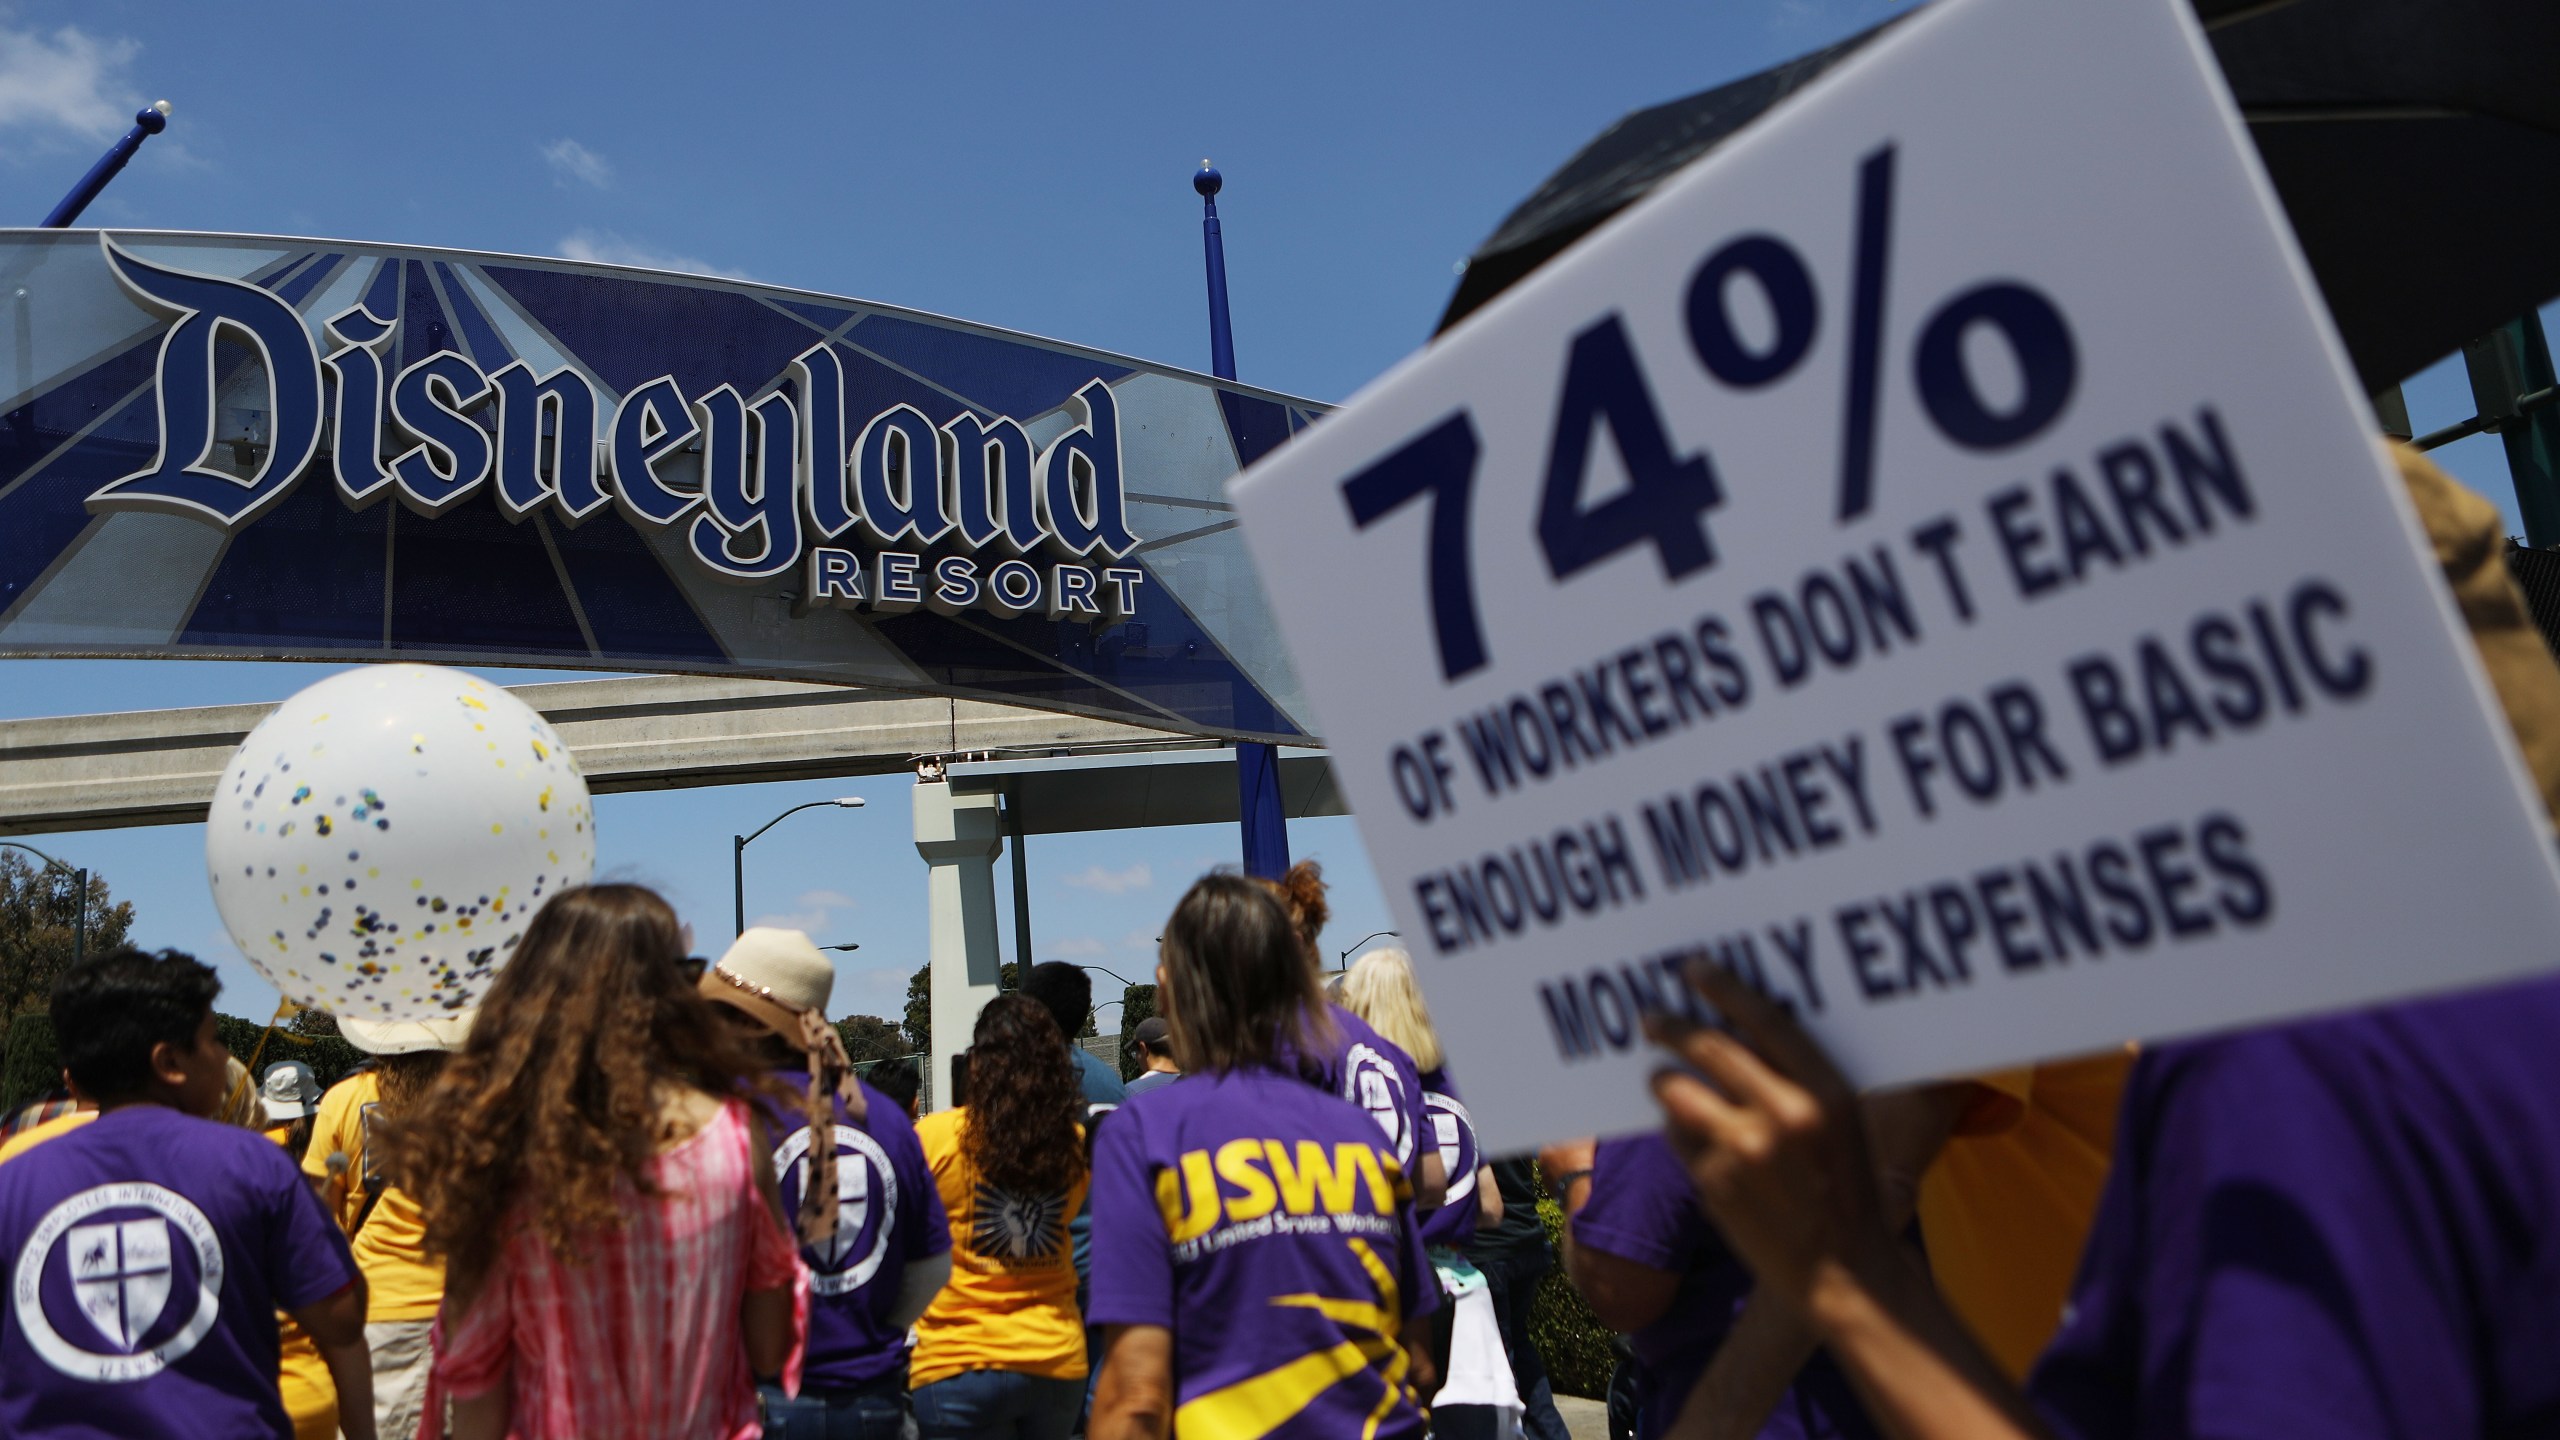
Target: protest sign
1933, 555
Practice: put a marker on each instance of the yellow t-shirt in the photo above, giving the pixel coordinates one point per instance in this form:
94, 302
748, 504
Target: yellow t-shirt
401, 1282
309, 1392
2006, 1208
26, 1140
1011, 1300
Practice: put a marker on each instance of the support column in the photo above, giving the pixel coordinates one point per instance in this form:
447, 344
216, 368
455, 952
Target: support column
959, 837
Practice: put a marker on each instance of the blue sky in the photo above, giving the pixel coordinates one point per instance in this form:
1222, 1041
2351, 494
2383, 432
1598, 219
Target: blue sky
1024, 166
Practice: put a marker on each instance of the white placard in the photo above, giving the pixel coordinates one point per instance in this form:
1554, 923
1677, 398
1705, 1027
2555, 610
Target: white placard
1933, 553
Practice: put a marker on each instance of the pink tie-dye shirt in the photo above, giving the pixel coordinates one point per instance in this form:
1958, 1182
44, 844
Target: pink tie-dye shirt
639, 1334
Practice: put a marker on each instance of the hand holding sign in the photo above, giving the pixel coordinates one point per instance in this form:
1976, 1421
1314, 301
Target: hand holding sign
1927, 555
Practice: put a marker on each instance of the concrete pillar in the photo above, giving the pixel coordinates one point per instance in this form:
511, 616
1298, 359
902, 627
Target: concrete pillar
959, 837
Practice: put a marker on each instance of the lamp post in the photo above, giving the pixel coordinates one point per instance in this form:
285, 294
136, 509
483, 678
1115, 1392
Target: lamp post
738, 850
1345, 956
80, 878
150, 120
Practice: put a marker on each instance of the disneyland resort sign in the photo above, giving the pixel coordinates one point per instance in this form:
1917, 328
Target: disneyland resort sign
888, 512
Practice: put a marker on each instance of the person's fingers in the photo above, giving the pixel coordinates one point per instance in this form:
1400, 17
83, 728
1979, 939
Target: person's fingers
1700, 1118
1743, 1076
1770, 1030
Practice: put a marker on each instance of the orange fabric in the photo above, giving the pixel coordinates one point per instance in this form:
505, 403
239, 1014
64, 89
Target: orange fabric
2007, 1207
26, 1140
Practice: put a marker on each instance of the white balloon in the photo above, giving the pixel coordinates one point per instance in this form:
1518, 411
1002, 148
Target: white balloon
378, 844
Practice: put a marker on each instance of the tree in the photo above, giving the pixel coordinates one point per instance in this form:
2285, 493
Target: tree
39, 923
868, 1037
919, 1022
1137, 1003
313, 1024
919, 1019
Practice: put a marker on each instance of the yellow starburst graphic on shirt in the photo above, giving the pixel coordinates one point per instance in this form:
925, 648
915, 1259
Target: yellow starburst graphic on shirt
1259, 1404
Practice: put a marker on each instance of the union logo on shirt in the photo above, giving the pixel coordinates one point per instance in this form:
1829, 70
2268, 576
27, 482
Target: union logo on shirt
1370, 1081
1453, 1134
866, 1207
1004, 1226
119, 1272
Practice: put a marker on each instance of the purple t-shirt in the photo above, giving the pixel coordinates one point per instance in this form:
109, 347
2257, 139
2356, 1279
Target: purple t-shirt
2342, 1228
1374, 1073
150, 1252
1265, 1224
888, 1213
1642, 1208
1453, 1132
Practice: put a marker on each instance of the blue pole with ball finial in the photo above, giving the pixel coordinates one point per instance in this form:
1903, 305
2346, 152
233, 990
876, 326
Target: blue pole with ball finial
1258, 809
147, 122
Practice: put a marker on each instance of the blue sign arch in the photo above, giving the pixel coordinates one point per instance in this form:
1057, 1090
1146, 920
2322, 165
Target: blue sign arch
256, 447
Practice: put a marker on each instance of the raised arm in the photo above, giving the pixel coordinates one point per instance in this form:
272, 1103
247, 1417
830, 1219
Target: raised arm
1781, 1161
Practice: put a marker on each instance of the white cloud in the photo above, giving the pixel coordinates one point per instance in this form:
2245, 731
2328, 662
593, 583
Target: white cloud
813, 914
1080, 945
573, 161
66, 85
604, 247
1141, 940
869, 991
1111, 882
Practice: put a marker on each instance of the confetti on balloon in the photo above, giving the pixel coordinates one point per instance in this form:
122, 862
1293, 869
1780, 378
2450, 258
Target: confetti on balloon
375, 859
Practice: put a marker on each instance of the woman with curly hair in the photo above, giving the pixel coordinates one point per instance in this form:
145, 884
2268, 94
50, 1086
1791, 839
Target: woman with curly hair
1000, 1355
616, 1261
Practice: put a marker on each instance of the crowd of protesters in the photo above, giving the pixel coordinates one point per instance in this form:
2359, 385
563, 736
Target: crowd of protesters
634, 1194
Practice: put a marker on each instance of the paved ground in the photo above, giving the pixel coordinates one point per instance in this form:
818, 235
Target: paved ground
1587, 1419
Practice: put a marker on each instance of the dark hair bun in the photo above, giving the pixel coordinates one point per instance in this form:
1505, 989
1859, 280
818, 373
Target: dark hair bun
1302, 891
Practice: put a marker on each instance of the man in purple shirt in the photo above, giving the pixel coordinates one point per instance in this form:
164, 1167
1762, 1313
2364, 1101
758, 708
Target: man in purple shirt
890, 1255
152, 1248
892, 1244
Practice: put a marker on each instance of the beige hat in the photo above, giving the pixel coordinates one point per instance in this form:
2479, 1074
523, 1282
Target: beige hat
780, 966
778, 979
406, 1037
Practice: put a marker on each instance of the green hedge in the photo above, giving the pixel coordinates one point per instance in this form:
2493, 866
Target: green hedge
1571, 1338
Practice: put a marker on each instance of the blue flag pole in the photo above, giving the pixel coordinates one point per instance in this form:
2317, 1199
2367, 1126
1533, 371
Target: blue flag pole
150, 120
1258, 809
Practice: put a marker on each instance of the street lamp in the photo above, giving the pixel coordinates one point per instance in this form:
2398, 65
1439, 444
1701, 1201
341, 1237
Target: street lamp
738, 850
80, 877
1345, 956
849, 945
1114, 974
